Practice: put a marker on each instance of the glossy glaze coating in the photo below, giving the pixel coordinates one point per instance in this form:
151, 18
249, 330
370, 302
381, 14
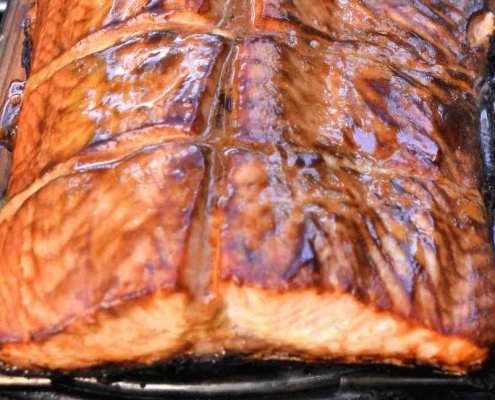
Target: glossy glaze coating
253, 152
59, 24
299, 220
159, 79
150, 194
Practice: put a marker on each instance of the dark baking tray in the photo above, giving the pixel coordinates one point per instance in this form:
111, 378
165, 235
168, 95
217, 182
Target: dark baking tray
244, 379
187, 378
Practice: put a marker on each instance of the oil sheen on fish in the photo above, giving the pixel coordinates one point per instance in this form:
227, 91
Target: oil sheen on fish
276, 178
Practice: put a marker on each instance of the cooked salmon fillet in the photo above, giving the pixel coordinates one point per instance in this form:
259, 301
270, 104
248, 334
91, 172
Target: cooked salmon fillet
275, 178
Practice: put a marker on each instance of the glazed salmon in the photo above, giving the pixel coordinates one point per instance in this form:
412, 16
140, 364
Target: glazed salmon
276, 178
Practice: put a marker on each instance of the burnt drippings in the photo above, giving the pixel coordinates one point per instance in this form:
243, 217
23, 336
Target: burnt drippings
8, 127
487, 135
5, 163
10, 112
27, 48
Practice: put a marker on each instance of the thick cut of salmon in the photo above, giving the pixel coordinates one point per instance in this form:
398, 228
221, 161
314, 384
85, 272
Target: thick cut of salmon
274, 178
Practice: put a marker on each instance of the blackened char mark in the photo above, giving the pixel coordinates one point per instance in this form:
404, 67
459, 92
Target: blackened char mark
305, 257
378, 90
307, 28
153, 6
226, 102
460, 124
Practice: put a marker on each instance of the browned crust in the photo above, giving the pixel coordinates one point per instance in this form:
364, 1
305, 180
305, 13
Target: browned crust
134, 331
143, 200
340, 329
